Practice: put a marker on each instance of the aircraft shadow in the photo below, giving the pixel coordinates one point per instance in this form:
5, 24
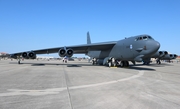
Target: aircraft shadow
155, 65
135, 67
141, 68
68, 65
57, 64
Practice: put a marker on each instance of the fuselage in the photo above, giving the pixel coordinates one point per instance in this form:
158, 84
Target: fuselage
129, 49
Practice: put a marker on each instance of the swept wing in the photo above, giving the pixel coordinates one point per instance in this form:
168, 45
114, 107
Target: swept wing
77, 49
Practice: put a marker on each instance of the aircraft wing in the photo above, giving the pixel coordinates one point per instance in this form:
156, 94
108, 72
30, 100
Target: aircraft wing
77, 49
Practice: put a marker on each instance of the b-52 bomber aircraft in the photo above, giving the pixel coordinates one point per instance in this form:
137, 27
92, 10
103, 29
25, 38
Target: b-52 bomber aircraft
129, 49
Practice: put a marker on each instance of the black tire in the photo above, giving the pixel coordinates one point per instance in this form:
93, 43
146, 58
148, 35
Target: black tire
126, 64
121, 64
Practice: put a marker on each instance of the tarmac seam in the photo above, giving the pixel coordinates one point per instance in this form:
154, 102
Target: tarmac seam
70, 99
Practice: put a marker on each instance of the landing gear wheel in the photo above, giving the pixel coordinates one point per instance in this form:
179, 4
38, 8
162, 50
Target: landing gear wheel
159, 62
126, 64
19, 62
121, 64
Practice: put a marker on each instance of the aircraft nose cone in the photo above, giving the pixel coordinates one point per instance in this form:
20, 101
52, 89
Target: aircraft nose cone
152, 47
156, 45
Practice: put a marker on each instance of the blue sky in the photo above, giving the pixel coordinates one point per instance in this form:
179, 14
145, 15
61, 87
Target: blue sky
37, 24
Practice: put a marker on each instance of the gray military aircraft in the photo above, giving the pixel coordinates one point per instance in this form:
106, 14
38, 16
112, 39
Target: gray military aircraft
129, 49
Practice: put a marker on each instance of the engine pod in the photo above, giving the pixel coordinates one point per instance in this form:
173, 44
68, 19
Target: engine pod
62, 52
32, 55
69, 52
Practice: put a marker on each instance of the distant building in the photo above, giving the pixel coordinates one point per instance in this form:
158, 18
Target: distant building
3, 53
178, 57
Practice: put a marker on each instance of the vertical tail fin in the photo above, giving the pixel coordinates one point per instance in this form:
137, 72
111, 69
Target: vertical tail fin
88, 38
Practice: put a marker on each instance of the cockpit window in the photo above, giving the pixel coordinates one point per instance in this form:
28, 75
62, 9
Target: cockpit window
150, 37
144, 38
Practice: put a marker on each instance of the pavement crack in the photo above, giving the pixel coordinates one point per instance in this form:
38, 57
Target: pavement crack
66, 82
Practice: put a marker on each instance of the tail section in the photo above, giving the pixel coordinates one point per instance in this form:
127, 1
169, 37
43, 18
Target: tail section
88, 38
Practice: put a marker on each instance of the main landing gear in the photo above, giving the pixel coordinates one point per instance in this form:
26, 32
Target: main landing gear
158, 61
19, 60
124, 64
94, 61
118, 63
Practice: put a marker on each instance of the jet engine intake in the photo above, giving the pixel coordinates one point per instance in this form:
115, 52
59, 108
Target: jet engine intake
168, 57
162, 53
32, 55
174, 56
171, 56
165, 52
159, 54
69, 52
25, 55
62, 52
28, 55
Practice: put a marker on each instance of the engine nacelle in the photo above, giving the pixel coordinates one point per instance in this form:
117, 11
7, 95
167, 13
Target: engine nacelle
168, 57
171, 56
32, 55
165, 52
28, 55
69, 52
159, 54
174, 56
62, 52
25, 55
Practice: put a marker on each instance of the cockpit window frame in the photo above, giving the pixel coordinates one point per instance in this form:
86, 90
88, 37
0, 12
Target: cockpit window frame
145, 37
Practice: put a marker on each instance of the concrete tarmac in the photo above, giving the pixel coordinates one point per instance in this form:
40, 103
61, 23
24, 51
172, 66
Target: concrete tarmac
79, 85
